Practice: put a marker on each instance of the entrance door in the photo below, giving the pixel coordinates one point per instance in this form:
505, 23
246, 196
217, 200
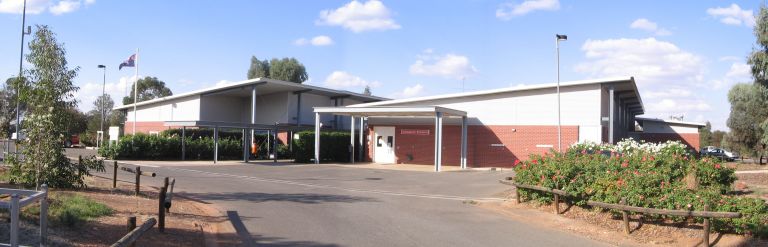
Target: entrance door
384, 144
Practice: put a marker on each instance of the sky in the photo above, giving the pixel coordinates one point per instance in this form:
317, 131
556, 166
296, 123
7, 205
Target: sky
684, 55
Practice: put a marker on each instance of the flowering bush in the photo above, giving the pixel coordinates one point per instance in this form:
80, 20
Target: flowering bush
648, 175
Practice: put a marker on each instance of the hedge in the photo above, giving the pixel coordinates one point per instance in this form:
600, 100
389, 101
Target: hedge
168, 147
334, 146
647, 175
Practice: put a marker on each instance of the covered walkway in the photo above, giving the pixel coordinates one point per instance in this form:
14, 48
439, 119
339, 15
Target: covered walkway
362, 113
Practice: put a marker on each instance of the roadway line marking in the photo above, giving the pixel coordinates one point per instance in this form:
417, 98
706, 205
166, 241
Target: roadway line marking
383, 192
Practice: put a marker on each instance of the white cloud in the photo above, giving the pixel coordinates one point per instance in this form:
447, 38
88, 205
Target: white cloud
321, 40
39, 6
733, 15
116, 89
667, 76
645, 24
342, 79
16, 6
650, 60
739, 72
64, 7
410, 91
508, 10
359, 17
448, 65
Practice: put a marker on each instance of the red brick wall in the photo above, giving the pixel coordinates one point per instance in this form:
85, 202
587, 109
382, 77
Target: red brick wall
487, 146
145, 127
690, 139
283, 137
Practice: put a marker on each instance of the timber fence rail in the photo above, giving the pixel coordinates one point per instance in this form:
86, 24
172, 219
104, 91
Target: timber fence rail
625, 209
165, 192
20, 199
133, 232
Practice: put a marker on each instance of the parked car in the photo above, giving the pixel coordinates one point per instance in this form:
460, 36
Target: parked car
718, 153
72, 141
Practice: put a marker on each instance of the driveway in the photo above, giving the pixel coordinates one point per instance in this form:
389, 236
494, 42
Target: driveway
327, 205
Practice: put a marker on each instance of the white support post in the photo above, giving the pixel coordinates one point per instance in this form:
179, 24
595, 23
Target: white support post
44, 216
438, 141
352, 139
14, 220
611, 109
464, 142
215, 144
253, 116
317, 138
360, 141
245, 146
274, 145
183, 142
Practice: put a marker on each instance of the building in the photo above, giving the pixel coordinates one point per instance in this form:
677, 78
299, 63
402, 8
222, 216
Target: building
494, 128
258, 105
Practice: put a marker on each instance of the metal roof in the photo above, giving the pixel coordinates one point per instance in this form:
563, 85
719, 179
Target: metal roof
632, 86
265, 85
670, 121
391, 111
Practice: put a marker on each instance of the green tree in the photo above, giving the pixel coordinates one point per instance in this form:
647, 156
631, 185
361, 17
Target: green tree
705, 135
103, 104
285, 69
48, 93
8, 100
717, 137
749, 108
367, 90
149, 88
258, 68
758, 59
77, 122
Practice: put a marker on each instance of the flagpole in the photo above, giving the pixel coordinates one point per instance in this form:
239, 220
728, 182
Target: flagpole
135, 91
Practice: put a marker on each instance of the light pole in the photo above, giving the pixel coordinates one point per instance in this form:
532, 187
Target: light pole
558, 38
21, 60
103, 86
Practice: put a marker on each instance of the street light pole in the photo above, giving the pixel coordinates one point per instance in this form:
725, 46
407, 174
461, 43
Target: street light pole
21, 60
103, 92
558, 38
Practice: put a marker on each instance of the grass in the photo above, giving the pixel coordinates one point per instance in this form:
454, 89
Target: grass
69, 209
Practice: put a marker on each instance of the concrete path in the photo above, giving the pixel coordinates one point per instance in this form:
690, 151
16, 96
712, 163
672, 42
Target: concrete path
328, 205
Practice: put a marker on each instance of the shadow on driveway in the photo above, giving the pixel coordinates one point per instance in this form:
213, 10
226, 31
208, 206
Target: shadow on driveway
281, 197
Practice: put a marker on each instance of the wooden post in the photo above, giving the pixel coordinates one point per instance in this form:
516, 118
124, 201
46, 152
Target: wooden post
114, 175
138, 179
15, 219
625, 216
79, 163
705, 239
44, 216
557, 204
161, 207
517, 194
131, 224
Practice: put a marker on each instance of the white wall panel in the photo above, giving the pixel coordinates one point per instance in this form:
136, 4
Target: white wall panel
181, 109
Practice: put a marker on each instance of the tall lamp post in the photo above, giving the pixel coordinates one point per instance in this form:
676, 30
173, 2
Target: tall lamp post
21, 60
558, 38
103, 86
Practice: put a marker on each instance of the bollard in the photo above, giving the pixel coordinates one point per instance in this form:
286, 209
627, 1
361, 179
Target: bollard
625, 216
131, 225
15, 219
161, 208
517, 194
138, 179
169, 196
114, 176
705, 239
557, 204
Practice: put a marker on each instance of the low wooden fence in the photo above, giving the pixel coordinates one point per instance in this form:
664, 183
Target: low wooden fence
17, 202
625, 209
165, 195
133, 232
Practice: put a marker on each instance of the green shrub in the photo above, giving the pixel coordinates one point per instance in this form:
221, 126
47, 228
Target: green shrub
334, 146
647, 175
168, 147
68, 209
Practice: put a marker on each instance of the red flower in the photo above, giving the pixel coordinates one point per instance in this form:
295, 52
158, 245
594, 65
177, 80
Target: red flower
717, 166
517, 162
652, 158
625, 164
535, 161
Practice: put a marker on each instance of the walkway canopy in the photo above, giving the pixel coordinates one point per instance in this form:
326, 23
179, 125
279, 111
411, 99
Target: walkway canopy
435, 112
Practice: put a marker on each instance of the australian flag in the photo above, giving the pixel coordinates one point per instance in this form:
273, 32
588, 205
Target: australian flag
131, 62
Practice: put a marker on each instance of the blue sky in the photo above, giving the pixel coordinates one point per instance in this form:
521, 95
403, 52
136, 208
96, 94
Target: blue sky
685, 55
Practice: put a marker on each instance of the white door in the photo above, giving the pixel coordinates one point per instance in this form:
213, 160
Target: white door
384, 144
